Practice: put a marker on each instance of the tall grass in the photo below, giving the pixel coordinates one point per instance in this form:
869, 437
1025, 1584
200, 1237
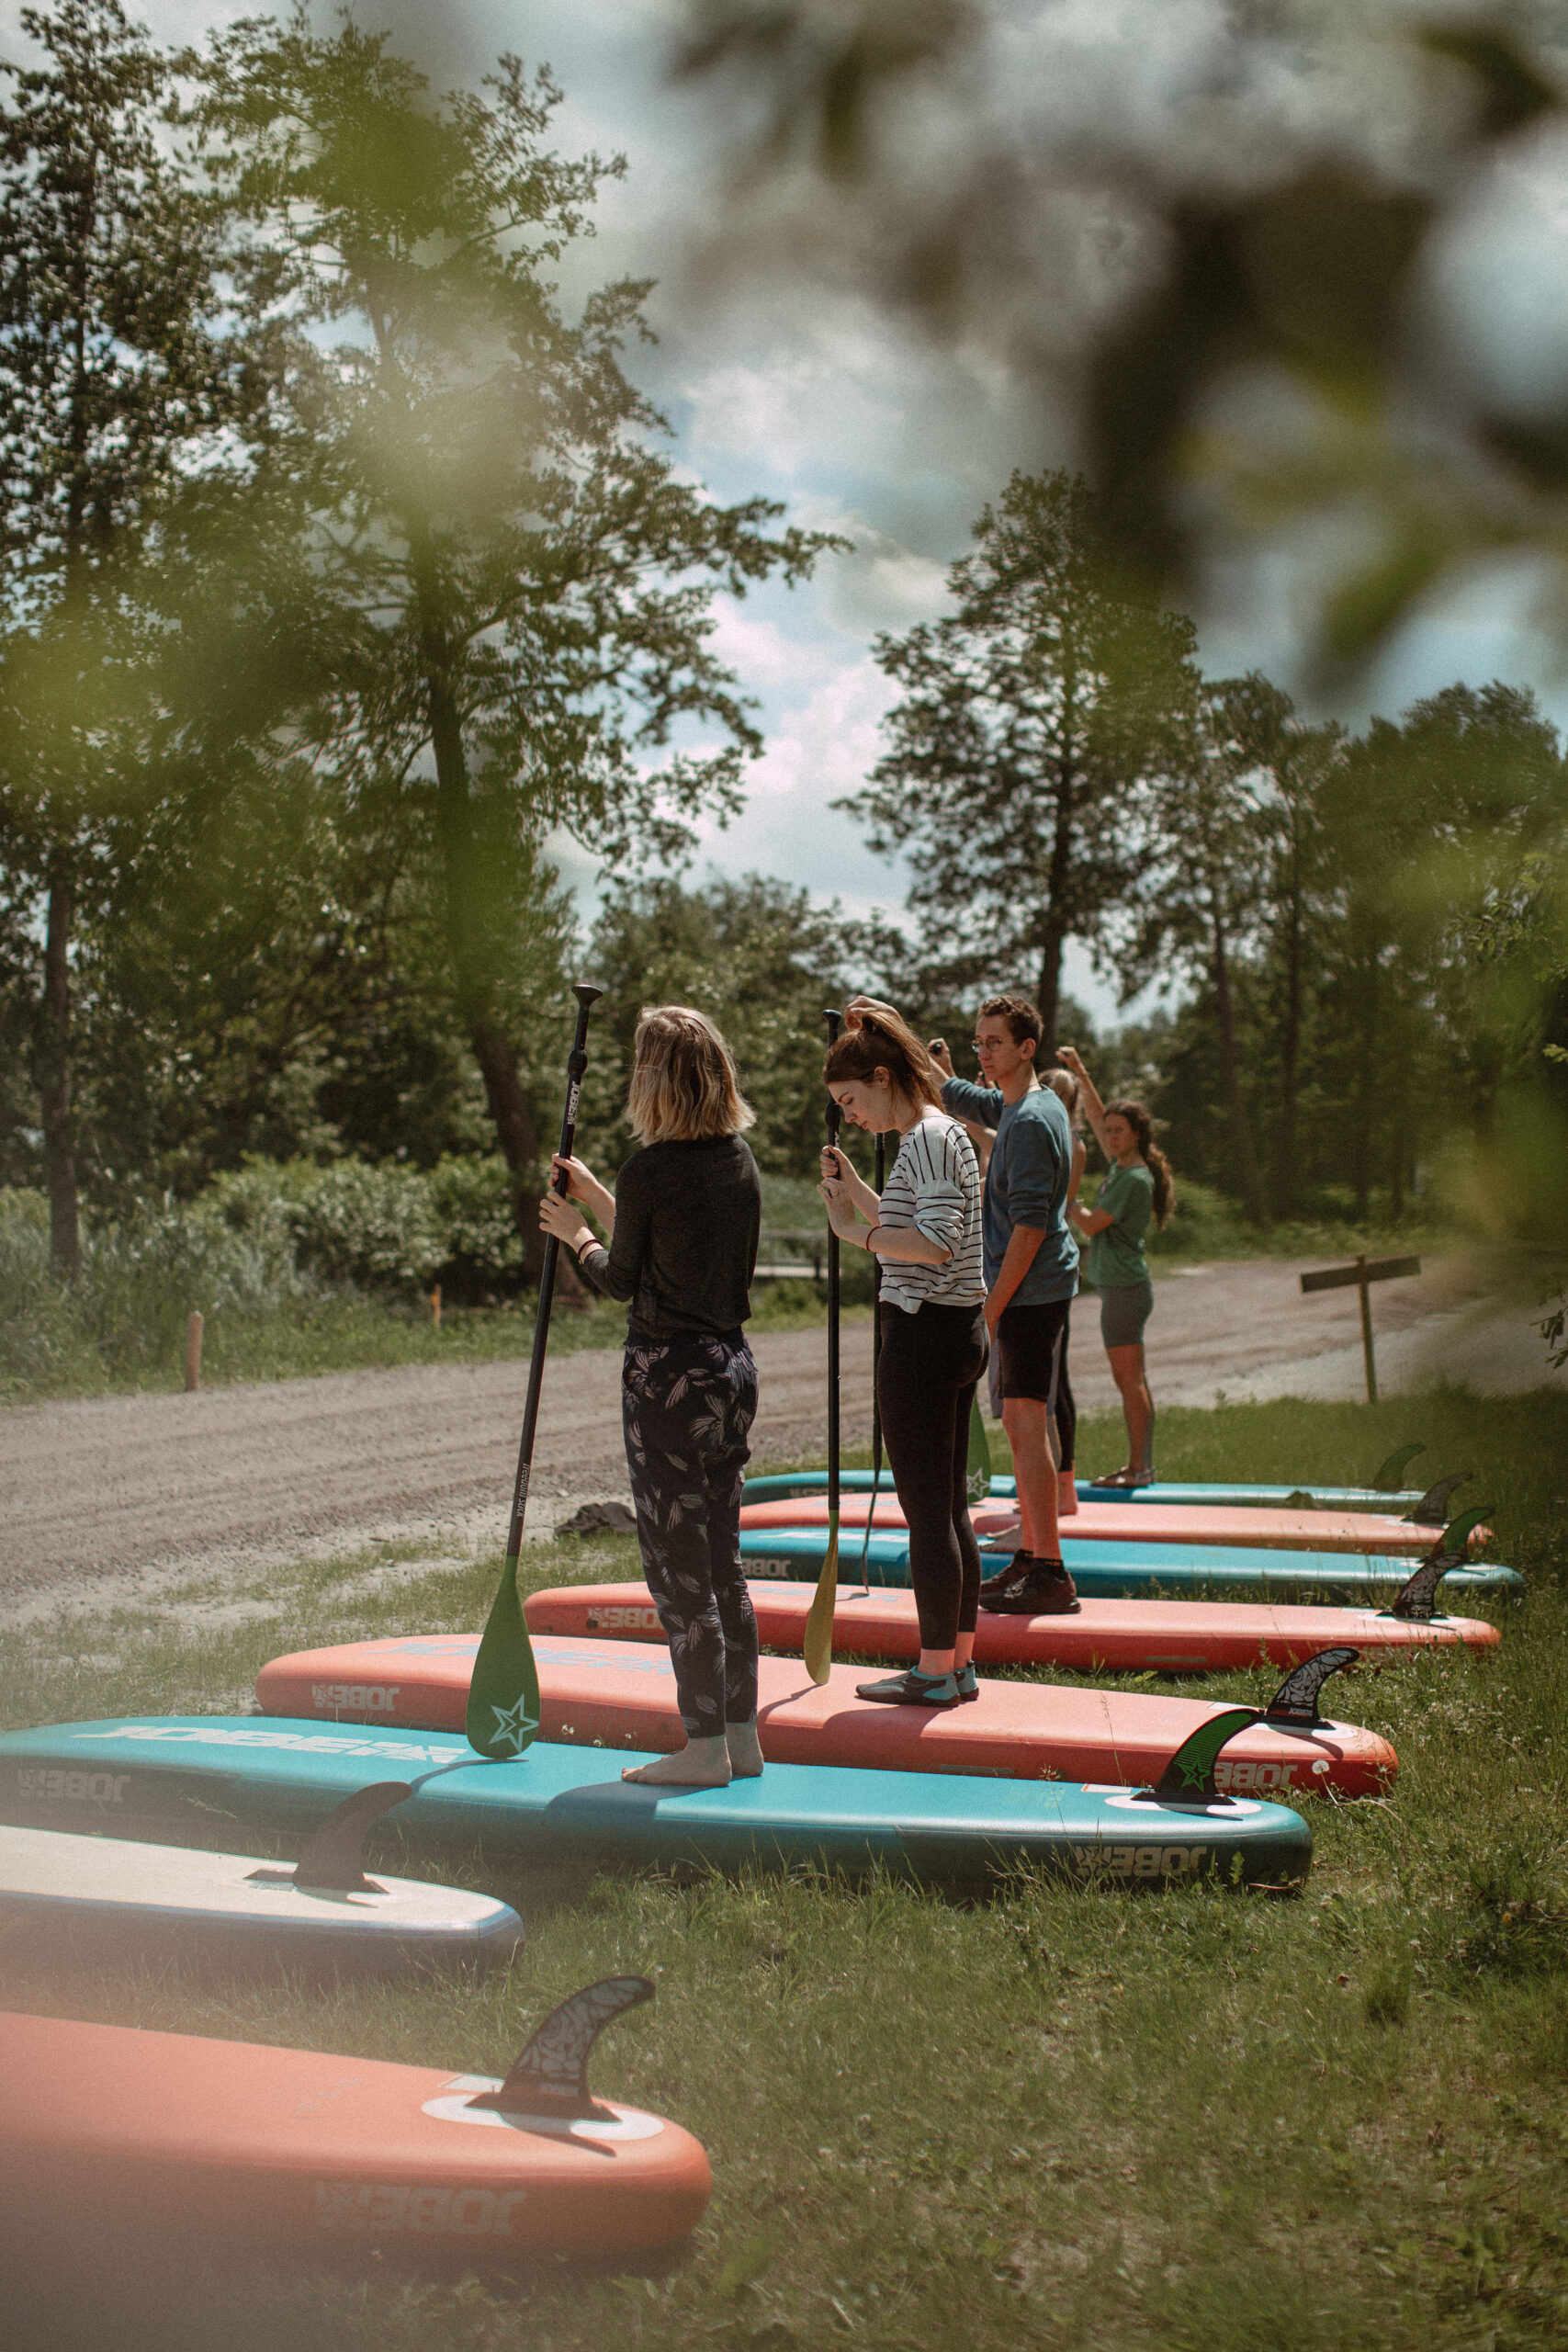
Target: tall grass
1055, 2118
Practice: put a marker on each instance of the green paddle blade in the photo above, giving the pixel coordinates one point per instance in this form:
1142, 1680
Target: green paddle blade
818, 1648
1190, 1771
979, 1455
1388, 1480
503, 1696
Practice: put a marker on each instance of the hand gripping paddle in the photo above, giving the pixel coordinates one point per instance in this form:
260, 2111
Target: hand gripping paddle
818, 1646
503, 1697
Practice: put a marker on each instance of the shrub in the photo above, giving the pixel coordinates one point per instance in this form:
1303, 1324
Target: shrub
482, 1248
375, 1226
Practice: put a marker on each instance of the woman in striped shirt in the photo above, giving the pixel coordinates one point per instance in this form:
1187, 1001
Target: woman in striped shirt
925, 1231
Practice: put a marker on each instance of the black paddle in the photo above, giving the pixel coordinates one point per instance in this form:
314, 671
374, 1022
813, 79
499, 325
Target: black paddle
503, 1695
880, 1178
818, 1646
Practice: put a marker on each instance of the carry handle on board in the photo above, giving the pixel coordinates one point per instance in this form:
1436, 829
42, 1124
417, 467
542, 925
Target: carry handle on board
1189, 1778
333, 1861
550, 2076
1416, 1600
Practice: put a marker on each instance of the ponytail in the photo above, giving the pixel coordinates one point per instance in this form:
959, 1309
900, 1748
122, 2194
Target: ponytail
1154, 1160
884, 1042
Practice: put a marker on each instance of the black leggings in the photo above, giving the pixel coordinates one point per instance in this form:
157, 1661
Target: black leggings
1062, 1405
925, 1384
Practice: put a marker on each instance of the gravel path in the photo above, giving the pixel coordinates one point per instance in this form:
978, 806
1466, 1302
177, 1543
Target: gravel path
108, 1498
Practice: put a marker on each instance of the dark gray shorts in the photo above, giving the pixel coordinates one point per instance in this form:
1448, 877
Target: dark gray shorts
1123, 1311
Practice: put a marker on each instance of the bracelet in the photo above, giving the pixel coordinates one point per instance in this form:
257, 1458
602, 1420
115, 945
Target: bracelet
581, 1253
866, 1244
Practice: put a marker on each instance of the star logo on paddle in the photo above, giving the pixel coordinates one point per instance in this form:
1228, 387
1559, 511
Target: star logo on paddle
513, 1724
1193, 1773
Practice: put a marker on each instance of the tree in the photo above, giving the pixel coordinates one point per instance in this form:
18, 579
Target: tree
1034, 718
108, 375
516, 582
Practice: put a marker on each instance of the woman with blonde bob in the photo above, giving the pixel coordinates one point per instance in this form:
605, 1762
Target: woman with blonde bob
683, 1225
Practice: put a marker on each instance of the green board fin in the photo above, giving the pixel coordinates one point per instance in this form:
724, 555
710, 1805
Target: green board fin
503, 1695
818, 1648
1387, 1480
1189, 1778
979, 1455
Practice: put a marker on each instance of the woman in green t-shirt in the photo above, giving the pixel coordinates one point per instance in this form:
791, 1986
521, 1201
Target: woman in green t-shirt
1139, 1186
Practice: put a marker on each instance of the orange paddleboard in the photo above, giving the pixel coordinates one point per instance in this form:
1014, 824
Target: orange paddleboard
170, 2131
1267, 1531
1115, 1636
615, 1694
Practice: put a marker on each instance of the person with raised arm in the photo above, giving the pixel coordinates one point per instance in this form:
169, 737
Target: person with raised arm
1137, 1186
1031, 1267
682, 1224
923, 1229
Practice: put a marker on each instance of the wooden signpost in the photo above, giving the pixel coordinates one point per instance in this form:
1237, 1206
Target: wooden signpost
1364, 1271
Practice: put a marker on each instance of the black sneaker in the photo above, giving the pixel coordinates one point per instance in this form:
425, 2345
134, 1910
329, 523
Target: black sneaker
1005, 1579
1031, 1588
911, 1689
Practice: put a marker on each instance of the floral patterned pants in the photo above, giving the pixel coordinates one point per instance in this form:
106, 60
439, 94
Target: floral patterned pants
687, 1405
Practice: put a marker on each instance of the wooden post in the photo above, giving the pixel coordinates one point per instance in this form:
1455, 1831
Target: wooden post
1367, 1357
436, 1307
193, 1352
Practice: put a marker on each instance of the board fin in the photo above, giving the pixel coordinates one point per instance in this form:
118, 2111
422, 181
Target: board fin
1295, 1701
503, 1693
1432, 1511
1189, 1778
1386, 1480
333, 1861
550, 2076
1416, 1599
980, 1472
1299, 1499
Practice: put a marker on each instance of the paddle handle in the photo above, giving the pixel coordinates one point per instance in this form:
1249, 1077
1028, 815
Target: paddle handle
587, 996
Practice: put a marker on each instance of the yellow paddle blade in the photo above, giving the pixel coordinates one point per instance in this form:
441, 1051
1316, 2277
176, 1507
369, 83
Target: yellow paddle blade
817, 1650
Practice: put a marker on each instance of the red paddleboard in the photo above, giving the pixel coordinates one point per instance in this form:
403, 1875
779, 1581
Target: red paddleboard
615, 1694
168, 2132
1270, 1530
1118, 1636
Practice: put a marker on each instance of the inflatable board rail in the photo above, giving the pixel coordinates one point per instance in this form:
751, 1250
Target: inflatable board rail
615, 1694
170, 2133
57, 1887
1120, 1637
159, 1772
1128, 1571
1425, 1509
1357, 1533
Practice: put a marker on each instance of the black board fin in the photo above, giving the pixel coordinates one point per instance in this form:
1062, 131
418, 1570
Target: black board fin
1295, 1701
1386, 1481
1416, 1599
333, 1861
1299, 1499
550, 2076
1432, 1511
1189, 1778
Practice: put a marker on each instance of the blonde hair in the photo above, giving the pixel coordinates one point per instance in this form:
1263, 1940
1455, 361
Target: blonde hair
683, 1088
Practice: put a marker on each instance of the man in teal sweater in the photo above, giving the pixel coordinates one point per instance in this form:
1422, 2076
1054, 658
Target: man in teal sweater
1031, 1273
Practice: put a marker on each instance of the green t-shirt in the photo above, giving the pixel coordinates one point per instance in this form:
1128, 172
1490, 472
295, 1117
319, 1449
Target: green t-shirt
1115, 1256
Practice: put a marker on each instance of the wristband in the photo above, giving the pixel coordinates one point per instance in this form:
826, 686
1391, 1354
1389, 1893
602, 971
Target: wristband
582, 1253
866, 1245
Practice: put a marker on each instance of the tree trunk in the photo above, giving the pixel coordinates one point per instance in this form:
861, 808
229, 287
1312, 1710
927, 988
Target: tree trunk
54, 1081
1289, 1178
1048, 996
1366, 1084
1241, 1126
1052, 932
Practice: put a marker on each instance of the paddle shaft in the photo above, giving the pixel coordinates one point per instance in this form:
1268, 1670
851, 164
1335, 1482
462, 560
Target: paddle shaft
587, 997
833, 1021
879, 1178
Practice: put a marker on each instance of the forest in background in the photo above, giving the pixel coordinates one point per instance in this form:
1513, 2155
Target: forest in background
344, 572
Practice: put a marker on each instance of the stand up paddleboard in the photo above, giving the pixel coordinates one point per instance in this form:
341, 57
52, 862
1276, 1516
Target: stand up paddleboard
1128, 1571
1193, 1532
170, 2133
1188, 1495
615, 1694
557, 1801
57, 1888
1120, 1636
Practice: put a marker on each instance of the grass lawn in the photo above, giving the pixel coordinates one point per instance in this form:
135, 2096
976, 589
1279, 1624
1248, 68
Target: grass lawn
1056, 2117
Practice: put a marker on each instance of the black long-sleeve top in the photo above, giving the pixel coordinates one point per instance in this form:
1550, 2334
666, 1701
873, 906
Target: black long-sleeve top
684, 1247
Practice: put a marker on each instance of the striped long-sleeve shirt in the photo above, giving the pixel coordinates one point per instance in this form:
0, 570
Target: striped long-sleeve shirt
934, 1185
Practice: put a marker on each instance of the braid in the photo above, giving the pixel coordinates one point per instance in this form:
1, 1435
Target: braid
1154, 1160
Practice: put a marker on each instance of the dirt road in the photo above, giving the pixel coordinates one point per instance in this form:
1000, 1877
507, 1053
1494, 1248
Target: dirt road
102, 1500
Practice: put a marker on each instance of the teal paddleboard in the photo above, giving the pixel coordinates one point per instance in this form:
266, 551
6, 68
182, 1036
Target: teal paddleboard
784, 1487
150, 1774
1136, 1571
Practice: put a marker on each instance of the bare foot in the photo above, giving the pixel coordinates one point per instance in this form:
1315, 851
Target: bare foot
745, 1753
701, 1764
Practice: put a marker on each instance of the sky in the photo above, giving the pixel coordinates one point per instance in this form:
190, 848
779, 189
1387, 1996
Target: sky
813, 398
